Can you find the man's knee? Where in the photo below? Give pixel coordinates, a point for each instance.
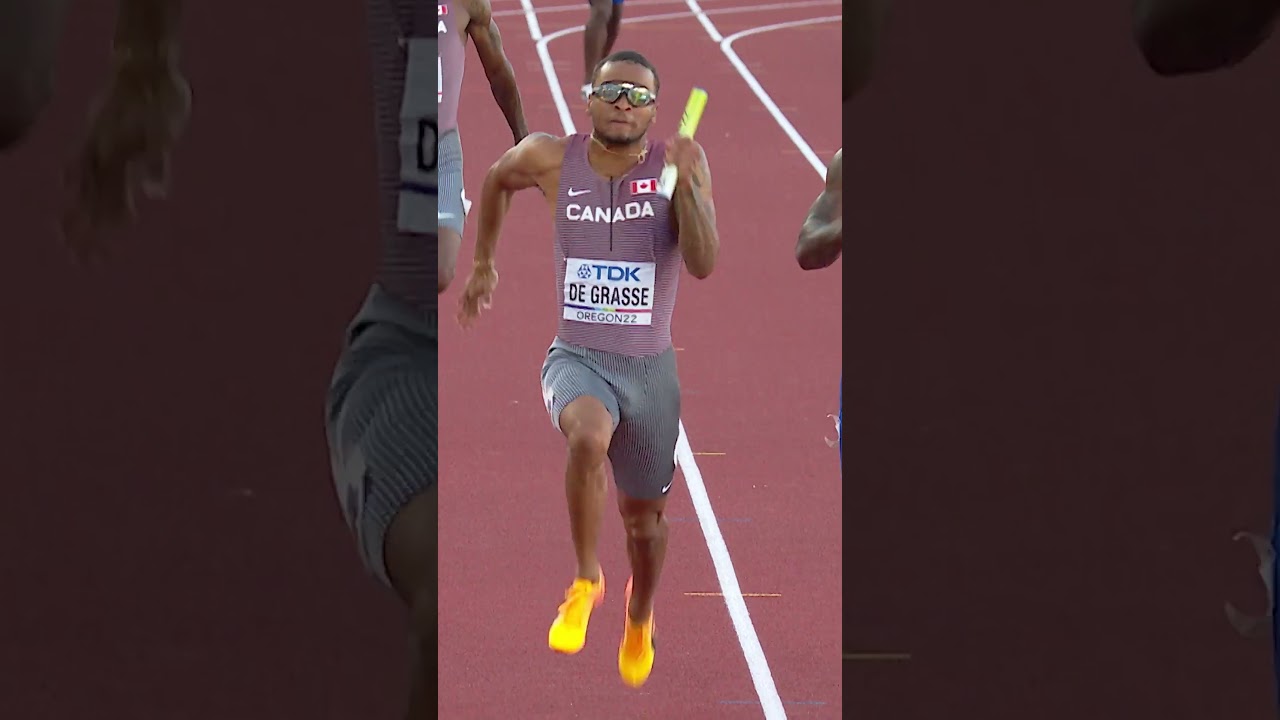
(588, 429)
(643, 524)
(589, 443)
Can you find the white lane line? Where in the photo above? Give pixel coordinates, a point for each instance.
(548, 68)
(752, 650)
(726, 47)
(632, 4)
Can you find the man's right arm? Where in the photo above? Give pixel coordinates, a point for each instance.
(1181, 37)
(519, 168)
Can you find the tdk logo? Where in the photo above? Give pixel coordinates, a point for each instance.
(612, 273)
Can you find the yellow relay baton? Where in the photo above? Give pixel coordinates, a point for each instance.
(688, 126)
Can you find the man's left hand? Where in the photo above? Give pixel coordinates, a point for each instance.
(686, 155)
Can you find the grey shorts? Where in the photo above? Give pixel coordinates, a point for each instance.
(381, 423)
(454, 205)
(642, 395)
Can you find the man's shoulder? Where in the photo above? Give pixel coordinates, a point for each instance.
(546, 144)
(542, 138)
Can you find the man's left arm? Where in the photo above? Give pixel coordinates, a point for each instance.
(695, 210)
(822, 235)
(483, 30)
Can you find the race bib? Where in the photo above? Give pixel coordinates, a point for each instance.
(418, 146)
(608, 292)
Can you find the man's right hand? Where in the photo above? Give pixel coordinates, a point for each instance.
(478, 294)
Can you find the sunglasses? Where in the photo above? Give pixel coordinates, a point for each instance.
(636, 95)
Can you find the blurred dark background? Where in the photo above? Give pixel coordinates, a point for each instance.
(171, 546)
(1063, 312)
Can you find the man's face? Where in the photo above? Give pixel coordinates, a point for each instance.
(620, 122)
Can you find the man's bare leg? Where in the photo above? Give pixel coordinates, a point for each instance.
(588, 429)
(412, 565)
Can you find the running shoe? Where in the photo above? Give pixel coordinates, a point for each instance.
(569, 631)
(635, 654)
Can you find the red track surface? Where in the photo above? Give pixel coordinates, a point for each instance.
(759, 360)
(1063, 411)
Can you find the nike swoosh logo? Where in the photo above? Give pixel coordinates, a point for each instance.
(576, 193)
(667, 487)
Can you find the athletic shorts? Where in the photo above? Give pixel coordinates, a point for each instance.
(642, 395)
(454, 205)
(381, 415)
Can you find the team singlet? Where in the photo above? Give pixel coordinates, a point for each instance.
(407, 129)
(450, 66)
(617, 257)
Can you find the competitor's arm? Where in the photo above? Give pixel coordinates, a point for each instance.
(483, 30)
(821, 236)
(1180, 37)
(695, 212)
(519, 168)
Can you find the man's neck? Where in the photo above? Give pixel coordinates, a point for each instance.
(615, 159)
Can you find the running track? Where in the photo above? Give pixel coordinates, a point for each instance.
(759, 349)
(139, 578)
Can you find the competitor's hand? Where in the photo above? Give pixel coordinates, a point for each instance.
(132, 131)
(477, 295)
(1254, 626)
(686, 155)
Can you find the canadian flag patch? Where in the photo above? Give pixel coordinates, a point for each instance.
(647, 186)
(442, 10)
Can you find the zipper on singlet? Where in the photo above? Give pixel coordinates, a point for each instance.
(610, 214)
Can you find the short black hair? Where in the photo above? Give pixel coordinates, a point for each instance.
(628, 56)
